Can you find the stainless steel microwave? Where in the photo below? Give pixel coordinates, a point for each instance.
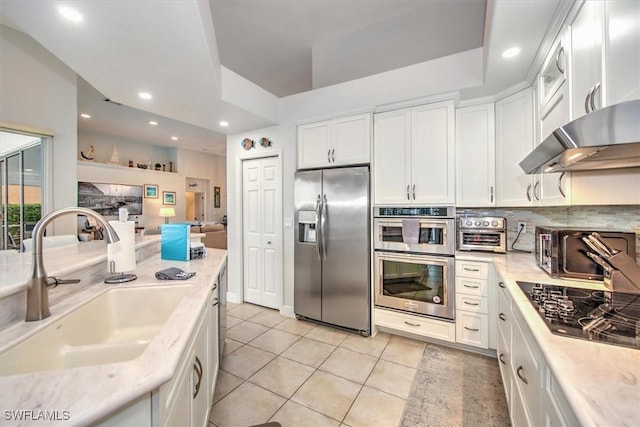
(561, 252)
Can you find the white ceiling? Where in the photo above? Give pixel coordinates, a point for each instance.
(175, 49)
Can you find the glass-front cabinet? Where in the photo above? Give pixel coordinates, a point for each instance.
(553, 73)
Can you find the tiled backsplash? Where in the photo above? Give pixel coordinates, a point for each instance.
(618, 218)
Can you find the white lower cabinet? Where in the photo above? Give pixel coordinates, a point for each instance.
(474, 303)
(533, 396)
(416, 325)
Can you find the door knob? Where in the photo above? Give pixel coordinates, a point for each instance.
(268, 242)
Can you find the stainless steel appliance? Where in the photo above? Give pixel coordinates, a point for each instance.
(332, 247)
(607, 138)
(602, 316)
(488, 234)
(561, 252)
(436, 233)
(415, 277)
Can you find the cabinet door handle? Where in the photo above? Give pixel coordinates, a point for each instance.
(502, 317)
(587, 99)
(471, 287)
(414, 191)
(197, 367)
(215, 302)
(472, 329)
(491, 192)
(529, 192)
(329, 156)
(519, 373)
(564, 196)
(470, 303)
(333, 155)
(535, 190)
(560, 63)
(501, 284)
(501, 359)
(408, 198)
(412, 324)
(475, 270)
(592, 100)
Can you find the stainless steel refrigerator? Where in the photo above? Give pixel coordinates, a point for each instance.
(332, 247)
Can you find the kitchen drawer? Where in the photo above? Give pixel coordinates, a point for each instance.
(471, 286)
(557, 408)
(472, 329)
(527, 370)
(478, 270)
(504, 313)
(396, 321)
(472, 303)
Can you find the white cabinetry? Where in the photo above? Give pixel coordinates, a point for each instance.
(605, 54)
(475, 156)
(395, 321)
(474, 304)
(337, 142)
(503, 348)
(414, 155)
(514, 141)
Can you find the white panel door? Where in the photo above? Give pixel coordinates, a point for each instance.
(351, 140)
(392, 171)
(433, 153)
(262, 231)
(314, 145)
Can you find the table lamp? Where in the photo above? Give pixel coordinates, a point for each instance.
(166, 213)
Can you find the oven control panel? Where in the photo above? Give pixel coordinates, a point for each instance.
(427, 212)
(492, 223)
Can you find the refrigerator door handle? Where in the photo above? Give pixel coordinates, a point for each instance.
(323, 222)
(318, 222)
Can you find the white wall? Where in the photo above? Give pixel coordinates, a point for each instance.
(38, 93)
(194, 164)
(419, 81)
(137, 151)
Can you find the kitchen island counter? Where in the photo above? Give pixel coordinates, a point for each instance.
(601, 382)
(90, 393)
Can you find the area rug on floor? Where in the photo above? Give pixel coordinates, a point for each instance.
(456, 388)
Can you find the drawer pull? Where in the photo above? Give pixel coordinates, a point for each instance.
(471, 287)
(472, 329)
(501, 359)
(412, 324)
(501, 284)
(470, 303)
(471, 269)
(502, 317)
(520, 369)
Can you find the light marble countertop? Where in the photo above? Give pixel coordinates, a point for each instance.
(600, 381)
(61, 261)
(92, 392)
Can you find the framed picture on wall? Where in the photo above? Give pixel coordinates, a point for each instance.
(150, 191)
(168, 197)
(216, 197)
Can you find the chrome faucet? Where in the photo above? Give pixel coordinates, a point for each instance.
(37, 292)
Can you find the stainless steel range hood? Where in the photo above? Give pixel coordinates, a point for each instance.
(608, 138)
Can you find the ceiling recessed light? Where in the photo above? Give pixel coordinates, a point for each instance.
(224, 124)
(175, 138)
(70, 13)
(85, 115)
(511, 52)
(152, 123)
(145, 95)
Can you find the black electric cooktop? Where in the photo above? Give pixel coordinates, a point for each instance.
(602, 316)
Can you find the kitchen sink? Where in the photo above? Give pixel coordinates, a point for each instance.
(114, 326)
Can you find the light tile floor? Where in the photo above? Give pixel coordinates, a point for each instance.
(298, 373)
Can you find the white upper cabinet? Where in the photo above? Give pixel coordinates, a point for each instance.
(338, 142)
(414, 153)
(475, 156)
(605, 54)
(514, 140)
(622, 49)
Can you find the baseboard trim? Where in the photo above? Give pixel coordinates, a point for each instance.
(287, 310)
(233, 297)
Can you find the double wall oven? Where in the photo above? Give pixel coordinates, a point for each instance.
(414, 259)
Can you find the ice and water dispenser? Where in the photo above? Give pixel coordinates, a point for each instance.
(307, 226)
